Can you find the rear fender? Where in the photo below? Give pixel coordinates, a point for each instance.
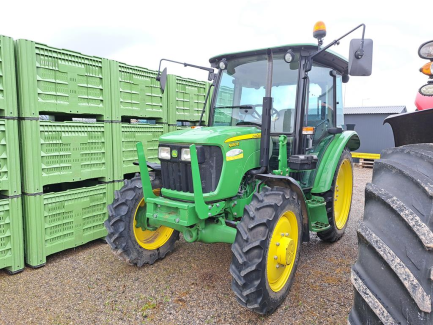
(288, 182)
(328, 164)
(411, 128)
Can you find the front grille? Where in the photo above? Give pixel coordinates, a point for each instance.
(177, 175)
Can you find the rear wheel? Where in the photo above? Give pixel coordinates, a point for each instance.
(339, 199)
(394, 271)
(266, 249)
(135, 245)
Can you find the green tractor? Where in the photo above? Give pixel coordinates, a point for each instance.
(272, 165)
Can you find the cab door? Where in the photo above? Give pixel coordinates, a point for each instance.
(321, 113)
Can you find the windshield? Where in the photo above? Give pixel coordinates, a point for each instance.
(242, 88)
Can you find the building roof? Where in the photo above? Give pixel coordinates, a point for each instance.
(375, 110)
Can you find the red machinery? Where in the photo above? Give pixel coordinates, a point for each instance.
(416, 127)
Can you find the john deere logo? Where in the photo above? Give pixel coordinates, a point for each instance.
(174, 153)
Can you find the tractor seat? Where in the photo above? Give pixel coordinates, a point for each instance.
(284, 122)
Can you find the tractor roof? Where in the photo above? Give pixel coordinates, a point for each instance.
(328, 57)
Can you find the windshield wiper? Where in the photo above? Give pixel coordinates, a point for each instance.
(237, 106)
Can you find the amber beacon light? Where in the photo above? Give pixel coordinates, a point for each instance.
(319, 30)
(427, 69)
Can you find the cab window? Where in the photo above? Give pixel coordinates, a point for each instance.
(321, 102)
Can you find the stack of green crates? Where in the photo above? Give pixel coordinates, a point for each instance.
(69, 124)
(225, 98)
(11, 222)
(186, 98)
(136, 95)
(67, 166)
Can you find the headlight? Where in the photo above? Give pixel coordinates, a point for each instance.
(426, 90)
(164, 153)
(222, 64)
(185, 155)
(426, 51)
(288, 57)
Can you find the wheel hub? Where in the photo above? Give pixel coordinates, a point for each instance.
(282, 251)
(146, 238)
(285, 251)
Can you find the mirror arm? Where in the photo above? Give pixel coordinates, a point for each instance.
(198, 67)
(359, 54)
(205, 101)
(182, 63)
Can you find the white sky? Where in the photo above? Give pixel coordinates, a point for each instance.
(142, 32)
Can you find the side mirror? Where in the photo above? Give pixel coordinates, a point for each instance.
(345, 78)
(163, 80)
(211, 76)
(360, 61)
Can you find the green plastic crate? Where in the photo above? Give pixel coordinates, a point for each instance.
(59, 152)
(136, 93)
(126, 137)
(57, 221)
(10, 178)
(225, 96)
(172, 128)
(223, 116)
(186, 98)
(179, 126)
(11, 235)
(51, 80)
(8, 91)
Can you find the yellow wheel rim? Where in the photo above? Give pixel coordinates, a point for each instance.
(282, 251)
(343, 194)
(151, 239)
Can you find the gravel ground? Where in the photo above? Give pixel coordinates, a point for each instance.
(89, 285)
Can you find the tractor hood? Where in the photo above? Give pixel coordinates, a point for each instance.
(211, 135)
(238, 152)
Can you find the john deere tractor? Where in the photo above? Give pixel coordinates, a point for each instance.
(271, 166)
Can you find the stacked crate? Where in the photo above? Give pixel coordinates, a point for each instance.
(67, 165)
(225, 98)
(185, 100)
(11, 224)
(139, 111)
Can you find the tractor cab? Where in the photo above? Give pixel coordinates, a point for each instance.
(307, 108)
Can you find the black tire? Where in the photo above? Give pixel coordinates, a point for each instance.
(120, 225)
(251, 246)
(333, 234)
(394, 271)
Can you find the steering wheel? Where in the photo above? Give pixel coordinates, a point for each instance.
(256, 115)
(327, 120)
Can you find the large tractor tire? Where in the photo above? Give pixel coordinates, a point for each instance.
(266, 249)
(132, 244)
(394, 271)
(339, 199)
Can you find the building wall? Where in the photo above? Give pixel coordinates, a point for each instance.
(373, 134)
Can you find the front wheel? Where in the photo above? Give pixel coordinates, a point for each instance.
(133, 244)
(266, 249)
(339, 199)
